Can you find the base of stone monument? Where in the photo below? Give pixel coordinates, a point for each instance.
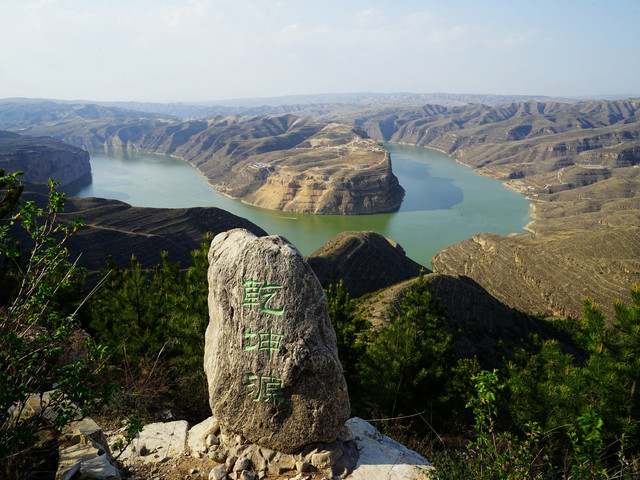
(244, 460)
(360, 452)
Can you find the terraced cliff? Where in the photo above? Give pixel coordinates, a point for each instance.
(282, 163)
(579, 163)
(532, 140)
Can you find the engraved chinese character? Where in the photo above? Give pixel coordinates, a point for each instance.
(251, 289)
(268, 341)
(264, 388)
(258, 294)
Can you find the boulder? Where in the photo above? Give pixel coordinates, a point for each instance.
(202, 436)
(270, 351)
(156, 443)
(382, 458)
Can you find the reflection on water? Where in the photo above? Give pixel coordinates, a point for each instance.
(424, 189)
(445, 202)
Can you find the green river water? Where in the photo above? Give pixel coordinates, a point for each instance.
(445, 202)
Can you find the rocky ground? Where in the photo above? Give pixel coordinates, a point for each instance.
(162, 452)
(183, 468)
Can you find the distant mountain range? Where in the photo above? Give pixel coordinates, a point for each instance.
(303, 105)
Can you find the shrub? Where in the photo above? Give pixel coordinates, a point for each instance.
(348, 326)
(407, 363)
(154, 323)
(41, 349)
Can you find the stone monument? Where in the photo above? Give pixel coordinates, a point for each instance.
(270, 351)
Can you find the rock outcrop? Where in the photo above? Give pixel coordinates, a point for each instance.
(270, 351)
(156, 443)
(364, 261)
(83, 450)
(284, 163)
(84, 453)
(382, 458)
(41, 158)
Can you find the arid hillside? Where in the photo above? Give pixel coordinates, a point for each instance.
(577, 162)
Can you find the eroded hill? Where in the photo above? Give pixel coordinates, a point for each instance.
(577, 162)
(283, 163)
(118, 230)
(363, 261)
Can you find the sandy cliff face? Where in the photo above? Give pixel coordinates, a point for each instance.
(351, 189)
(278, 162)
(295, 165)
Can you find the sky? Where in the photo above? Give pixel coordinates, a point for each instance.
(207, 50)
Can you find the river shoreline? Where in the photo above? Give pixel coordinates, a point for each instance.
(446, 202)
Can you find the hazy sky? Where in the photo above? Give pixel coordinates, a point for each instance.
(199, 50)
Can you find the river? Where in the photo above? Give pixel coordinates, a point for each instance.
(445, 201)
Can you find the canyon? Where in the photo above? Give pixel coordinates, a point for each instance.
(286, 163)
(578, 163)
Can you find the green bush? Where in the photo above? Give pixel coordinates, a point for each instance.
(408, 361)
(549, 414)
(560, 391)
(348, 326)
(546, 413)
(154, 323)
(41, 348)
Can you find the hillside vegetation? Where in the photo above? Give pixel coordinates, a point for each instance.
(543, 413)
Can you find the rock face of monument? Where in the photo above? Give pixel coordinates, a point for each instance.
(270, 352)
